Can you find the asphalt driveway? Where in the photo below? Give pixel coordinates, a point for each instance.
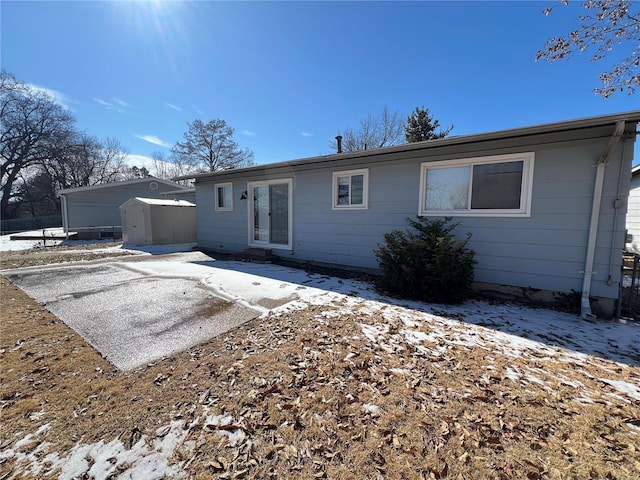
(143, 308)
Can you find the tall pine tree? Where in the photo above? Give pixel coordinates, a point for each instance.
(422, 126)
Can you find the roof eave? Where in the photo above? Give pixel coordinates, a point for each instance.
(86, 188)
(555, 127)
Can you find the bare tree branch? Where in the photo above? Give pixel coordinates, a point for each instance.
(607, 24)
(383, 130)
(34, 129)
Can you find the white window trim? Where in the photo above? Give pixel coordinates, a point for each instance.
(256, 243)
(525, 193)
(365, 189)
(228, 208)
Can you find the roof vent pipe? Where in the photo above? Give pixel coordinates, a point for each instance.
(339, 141)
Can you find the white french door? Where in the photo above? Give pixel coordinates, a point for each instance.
(270, 205)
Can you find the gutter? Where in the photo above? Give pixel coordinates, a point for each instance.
(557, 127)
(585, 305)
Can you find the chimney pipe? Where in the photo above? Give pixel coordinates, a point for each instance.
(339, 141)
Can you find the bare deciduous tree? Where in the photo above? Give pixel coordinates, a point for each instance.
(209, 147)
(169, 167)
(88, 161)
(39, 143)
(136, 172)
(375, 131)
(34, 129)
(607, 24)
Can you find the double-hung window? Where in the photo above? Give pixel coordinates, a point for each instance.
(350, 189)
(224, 197)
(496, 186)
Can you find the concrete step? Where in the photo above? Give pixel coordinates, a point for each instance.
(262, 255)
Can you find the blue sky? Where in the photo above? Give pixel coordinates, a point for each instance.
(287, 76)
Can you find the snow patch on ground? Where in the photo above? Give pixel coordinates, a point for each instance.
(226, 426)
(626, 388)
(374, 410)
(8, 245)
(429, 330)
(147, 459)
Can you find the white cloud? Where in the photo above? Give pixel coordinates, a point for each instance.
(134, 160)
(153, 139)
(102, 102)
(173, 107)
(58, 97)
(200, 112)
(122, 103)
(306, 134)
(248, 133)
(117, 105)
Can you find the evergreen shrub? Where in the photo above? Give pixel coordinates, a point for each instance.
(426, 261)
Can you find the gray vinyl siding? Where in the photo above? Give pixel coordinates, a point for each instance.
(221, 230)
(548, 250)
(544, 251)
(100, 207)
(633, 214)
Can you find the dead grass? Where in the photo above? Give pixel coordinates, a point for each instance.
(60, 254)
(302, 388)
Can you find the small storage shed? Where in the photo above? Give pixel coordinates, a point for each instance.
(151, 221)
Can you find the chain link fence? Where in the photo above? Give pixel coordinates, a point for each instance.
(30, 223)
(630, 289)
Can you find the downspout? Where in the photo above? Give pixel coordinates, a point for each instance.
(585, 306)
(65, 215)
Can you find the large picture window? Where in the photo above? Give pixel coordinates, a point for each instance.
(350, 189)
(224, 197)
(487, 186)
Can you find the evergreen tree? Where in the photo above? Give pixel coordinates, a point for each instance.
(422, 126)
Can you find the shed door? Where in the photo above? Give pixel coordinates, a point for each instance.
(135, 224)
(270, 214)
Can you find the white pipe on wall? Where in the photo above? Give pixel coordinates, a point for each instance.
(585, 305)
(65, 215)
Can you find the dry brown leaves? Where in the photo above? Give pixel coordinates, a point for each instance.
(317, 402)
(306, 395)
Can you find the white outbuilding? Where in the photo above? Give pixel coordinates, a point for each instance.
(151, 221)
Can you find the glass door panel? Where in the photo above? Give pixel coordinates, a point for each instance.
(261, 213)
(279, 213)
(269, 214)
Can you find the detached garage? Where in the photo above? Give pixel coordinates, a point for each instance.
(92, 212)
(150, 221)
